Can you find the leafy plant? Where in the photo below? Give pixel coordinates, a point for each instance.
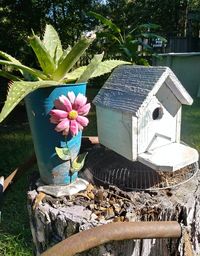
(57, 67)
(133, 45)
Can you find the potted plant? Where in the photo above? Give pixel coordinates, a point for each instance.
(55, 101)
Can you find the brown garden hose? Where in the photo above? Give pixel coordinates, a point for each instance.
(114, 232)
(19, 171)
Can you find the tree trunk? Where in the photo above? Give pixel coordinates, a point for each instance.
(54, 219)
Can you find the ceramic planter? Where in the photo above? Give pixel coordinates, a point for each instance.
(52, 169)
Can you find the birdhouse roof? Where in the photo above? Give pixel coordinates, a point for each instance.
(130, 88)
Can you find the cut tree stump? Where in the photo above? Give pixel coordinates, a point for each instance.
(54, 219)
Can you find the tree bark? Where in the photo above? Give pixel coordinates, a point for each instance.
(54, 219)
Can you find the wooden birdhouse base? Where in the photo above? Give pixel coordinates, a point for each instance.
(170, 157)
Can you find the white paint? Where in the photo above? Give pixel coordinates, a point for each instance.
(156, 87)
(178, 90)
(156, 133)
(178, 125)
(174, 85)
(169, 157)
(135, 137)
(117, 131)
(172, 105)
(64, 190)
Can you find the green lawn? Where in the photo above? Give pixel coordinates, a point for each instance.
(15, 237)
(191, 124)
(16, 146)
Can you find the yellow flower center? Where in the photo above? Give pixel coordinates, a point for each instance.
(73, 114)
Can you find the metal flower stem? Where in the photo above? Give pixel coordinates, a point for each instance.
(70, 159)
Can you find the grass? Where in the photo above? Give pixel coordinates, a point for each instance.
(191, 124)
(16, 146)
(15, 236)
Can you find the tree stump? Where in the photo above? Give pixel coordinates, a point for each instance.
(54, 219)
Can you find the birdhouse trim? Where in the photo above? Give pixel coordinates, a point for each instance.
(130, 88)
(139, 116)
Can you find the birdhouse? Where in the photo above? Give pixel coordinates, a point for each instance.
(139, 117)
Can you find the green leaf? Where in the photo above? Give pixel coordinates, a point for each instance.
(107, 66)
(74, 75)
(63, 153)
(108, 36)
(45, 60)
(12, 59)
(100, 69)
(153, 36)
(52, 43)
(32, 71)
(9, 76)
(18, 90)
(134, 42)
(72, 57)
(91, 68)
(105, 21)
(143, 62)
(127, 52)
(9, 57)
(78, 162)
(65, 52)
(148, 26)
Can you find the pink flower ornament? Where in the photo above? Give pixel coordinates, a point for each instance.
(69, 113)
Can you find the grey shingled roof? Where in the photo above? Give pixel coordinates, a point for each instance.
(128, 87)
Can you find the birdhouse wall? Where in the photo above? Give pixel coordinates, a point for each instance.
(118, 131)
(159, 122)
(172, 106)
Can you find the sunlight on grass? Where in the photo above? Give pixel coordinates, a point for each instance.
(11, 245)
(15, 235)
(191, 124)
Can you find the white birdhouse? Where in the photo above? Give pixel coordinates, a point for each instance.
(139, 116)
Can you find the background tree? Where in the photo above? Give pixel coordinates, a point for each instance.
(69, 17)
(134, 45)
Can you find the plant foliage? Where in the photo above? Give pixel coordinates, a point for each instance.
(134, 45)
(57, 66)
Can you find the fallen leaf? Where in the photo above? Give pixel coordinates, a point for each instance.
(38, 199)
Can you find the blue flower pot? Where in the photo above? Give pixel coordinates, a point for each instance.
(52, 169)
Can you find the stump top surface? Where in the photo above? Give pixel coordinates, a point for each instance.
(106, 167)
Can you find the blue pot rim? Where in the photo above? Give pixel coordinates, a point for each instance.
(73, 84)
(52, 87)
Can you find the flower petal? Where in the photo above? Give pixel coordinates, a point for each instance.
(63, 125)
(83, 121)
(84, 110)
(71, 97)
(80, 127)
(80, 101)
(54, 120)
(59, 105)
(58, 114)
(63, 103)
(66, 131)
(73, 127)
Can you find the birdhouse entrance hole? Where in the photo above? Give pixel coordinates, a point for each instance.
(157, 113)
